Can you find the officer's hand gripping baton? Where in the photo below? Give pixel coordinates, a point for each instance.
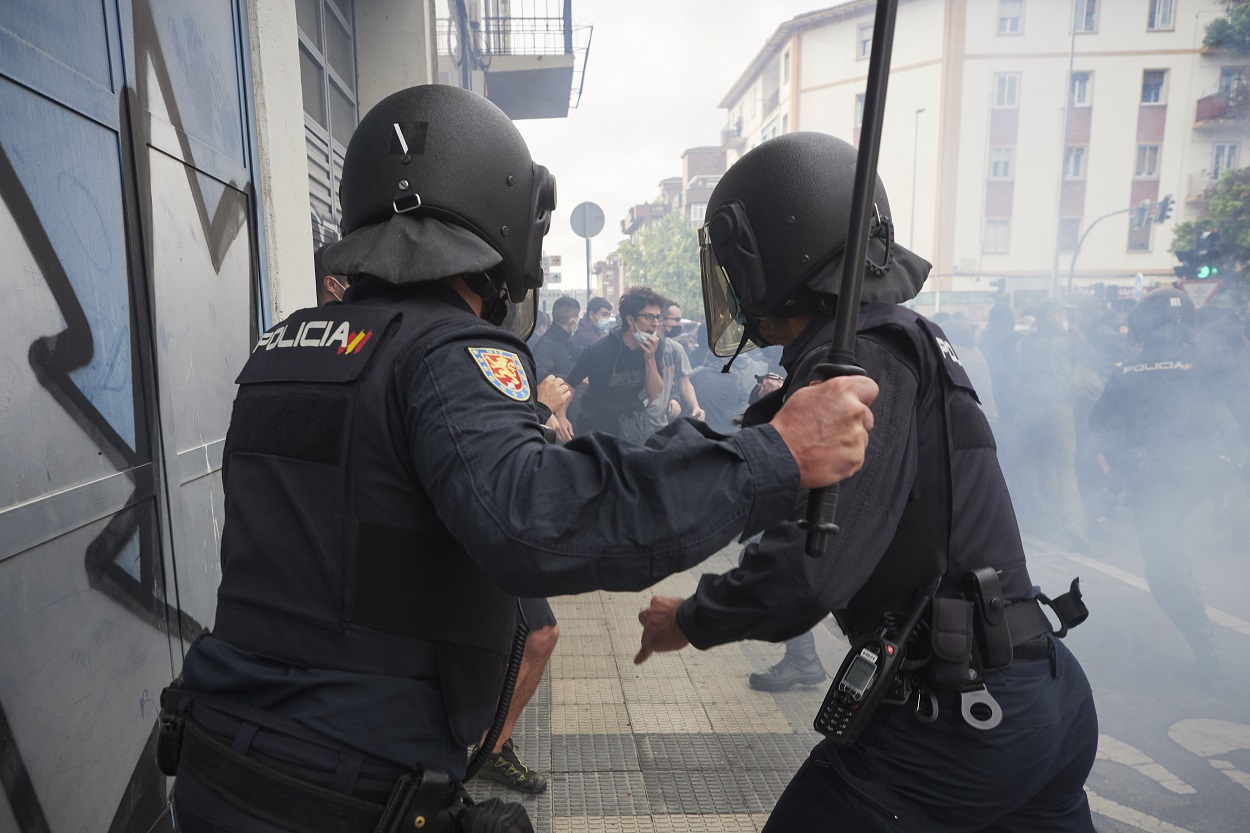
(822, 504)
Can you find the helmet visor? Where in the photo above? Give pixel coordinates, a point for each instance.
(522, 316)
(725, 321)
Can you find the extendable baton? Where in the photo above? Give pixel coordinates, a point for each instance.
(822, 504)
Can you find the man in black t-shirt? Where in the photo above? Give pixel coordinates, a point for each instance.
(621, 371)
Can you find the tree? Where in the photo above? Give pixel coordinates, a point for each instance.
(1231, 32)
(665, 257)
(1229, 214)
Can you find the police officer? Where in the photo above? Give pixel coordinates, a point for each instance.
(1157, 407)
(389, 489)
(993, 725)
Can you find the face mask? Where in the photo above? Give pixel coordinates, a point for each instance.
(603, 324)
(641, 337)
(340, 285)
(496, 310)
(674, 331)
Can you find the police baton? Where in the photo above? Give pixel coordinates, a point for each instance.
(822, 504)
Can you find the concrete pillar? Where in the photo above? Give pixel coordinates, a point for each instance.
(395, 48)
(283, 156)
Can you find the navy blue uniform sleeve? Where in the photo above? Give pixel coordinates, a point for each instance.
(778, 591)
(598, 512)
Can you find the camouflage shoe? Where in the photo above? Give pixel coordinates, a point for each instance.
(506, 768)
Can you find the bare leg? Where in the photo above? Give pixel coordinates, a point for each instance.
(538, 648)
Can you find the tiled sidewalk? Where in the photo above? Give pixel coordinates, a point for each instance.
(681, 743)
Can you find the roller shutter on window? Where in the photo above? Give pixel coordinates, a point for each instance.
(328, 74)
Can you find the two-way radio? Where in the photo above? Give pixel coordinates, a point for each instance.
(866, 676)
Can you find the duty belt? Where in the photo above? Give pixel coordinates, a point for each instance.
(270, 794)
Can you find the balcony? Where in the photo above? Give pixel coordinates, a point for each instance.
(530, 64)
(1222, 109)
(731, 136)
(1201, 188)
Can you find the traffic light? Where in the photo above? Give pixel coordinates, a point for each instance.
(1164, 209)
(1188, 268)
(1207, 256)
(1141, 216)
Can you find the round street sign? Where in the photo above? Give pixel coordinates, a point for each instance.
(587, 220)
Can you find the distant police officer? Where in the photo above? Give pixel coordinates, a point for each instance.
(992, 724)
(1157, 411)
(389, 487)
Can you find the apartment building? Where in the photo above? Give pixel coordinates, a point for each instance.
(1013, 128)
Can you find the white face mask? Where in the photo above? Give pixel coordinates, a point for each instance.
(342, 288)
(641, 337)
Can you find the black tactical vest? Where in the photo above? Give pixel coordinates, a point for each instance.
(332, 554)
(958, 515)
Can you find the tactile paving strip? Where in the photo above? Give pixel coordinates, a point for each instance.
(602, 719)
(584, 691)
(662, 753)
(746, 717)
(598, 794)
(578, 666)
(781, 752)
(668, 689)
(594, 753)
(707, 823)
(702, 791)
(799, 705)
(593, 625)
(587, 606)
(589, 644)
(657, 665)
(761, 789)
(725, 659)
(604, 824)
(668, 718)
(716, 688)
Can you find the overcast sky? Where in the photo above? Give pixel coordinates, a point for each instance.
(656, 73)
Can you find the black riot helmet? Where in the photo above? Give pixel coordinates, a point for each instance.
(775, 232)
(449, 154)
(1158, 309)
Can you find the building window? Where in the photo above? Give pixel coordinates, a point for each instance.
(1147, 162)
(1002, 164)
(1007, 89)
(1074, 162)
(1080, 92)
(863, 44)
(1224, 160)
(859, 110)
(697, 212)
(1231, 79)
(785, 67)
(1152, 83)
(997, 237)
(1085, 16)
(1010, 17)
(1162, 15)
(785, 123)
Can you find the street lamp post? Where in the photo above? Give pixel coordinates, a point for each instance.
(915, 155)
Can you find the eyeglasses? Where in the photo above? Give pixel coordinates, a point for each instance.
(648, 316)
(674, 318)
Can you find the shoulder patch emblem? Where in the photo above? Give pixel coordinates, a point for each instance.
(504, 370)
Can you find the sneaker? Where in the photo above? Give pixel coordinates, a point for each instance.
(787, 674)
(506, 768)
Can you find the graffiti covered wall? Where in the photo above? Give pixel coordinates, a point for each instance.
(128, 223)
